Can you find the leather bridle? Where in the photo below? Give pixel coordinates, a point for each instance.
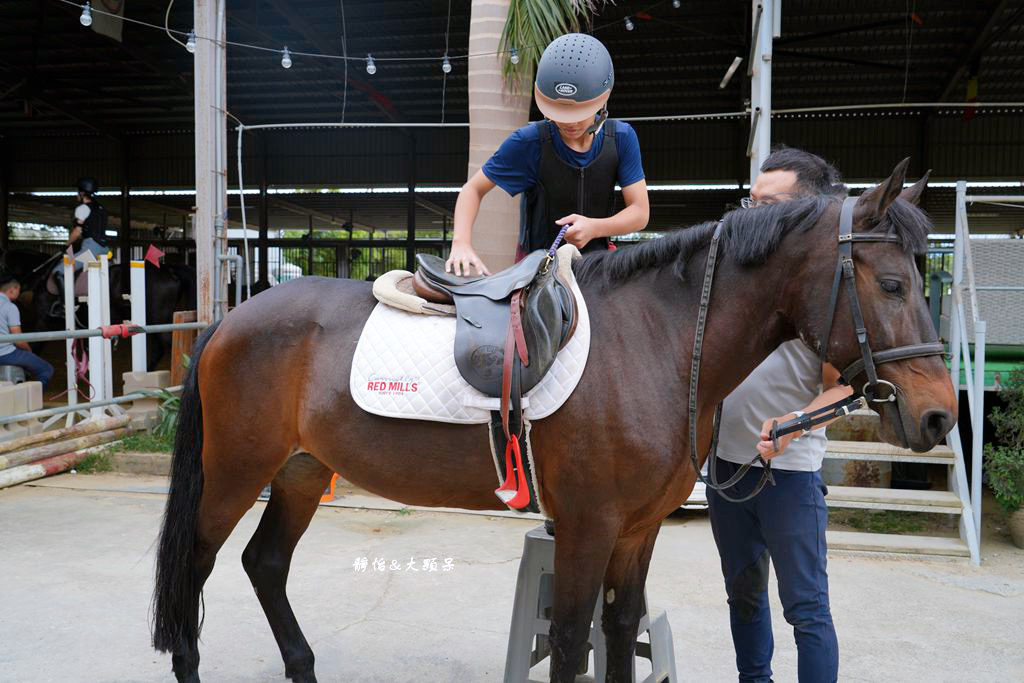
(866, 363)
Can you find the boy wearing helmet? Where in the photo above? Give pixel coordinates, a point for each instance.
(566, 166)
(88, 226)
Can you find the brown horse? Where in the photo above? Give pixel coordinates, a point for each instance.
(267, 401)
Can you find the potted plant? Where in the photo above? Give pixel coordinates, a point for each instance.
(1005, 460)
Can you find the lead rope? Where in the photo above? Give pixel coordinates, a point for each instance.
(698, 342)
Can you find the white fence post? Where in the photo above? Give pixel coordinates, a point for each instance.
(108, 359)
(97, 374)
(138, 300)
(69, 325)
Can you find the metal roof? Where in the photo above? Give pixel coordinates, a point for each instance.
(67, 94)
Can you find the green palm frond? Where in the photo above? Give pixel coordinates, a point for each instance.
(530, 26)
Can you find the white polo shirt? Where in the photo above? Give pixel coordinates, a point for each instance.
(787, 380)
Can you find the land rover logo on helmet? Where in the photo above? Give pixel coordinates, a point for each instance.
(567, 89)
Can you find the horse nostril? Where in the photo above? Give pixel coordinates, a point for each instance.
(935, 424)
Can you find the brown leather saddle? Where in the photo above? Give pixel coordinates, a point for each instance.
(509, 328)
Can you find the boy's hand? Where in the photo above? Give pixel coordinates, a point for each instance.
(462, 258)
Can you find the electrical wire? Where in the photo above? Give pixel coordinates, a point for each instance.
(444, 74)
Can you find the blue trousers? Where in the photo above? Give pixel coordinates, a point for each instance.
(36, 366)
(786, 524)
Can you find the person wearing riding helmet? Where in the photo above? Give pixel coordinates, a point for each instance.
(566, 166)
(88, 225)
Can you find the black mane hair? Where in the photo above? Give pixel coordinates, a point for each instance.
(749, 237)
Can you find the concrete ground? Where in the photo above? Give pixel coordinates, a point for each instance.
(76, 556)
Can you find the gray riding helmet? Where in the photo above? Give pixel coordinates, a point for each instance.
(574, 78)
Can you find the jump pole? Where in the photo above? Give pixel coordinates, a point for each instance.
(138, 301)
(69, 325)
(108, 360)
(97, 375)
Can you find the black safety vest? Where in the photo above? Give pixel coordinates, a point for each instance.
(563, 188)
(95, 226)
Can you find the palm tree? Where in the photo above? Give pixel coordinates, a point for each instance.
(500, 94)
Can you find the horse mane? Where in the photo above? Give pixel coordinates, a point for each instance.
(749, 237)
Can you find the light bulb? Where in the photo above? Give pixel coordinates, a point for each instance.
(676, 3)
(629, 24)
(514, 57)
(190, 42)
(446, 66)
(86, 17)
(371, 68)
(286, 58)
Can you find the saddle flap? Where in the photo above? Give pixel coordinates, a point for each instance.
(483, 326)
(494, 287)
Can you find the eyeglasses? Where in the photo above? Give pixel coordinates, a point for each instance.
(750, 202)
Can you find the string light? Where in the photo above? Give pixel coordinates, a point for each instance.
(286, 58)
(371, 68)
(514, 56)
(676, 3)
(629, 24)
(190, 44)
(86, 17)
(446, 66)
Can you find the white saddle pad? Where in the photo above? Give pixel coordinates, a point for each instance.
(404, 366)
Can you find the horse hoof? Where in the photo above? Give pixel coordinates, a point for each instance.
(190, 677)
(549, 526)
(302, 677)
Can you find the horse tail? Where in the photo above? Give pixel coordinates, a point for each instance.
(175, 611)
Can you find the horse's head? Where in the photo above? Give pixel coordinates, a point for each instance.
(914, 397)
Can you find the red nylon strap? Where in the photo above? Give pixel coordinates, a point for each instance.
(111, 331)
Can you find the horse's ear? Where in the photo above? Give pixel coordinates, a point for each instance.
(913, 193)
(873, 204)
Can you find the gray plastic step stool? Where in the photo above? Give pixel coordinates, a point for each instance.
(532, 609)
(12, 373)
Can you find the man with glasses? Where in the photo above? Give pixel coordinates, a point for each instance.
(785, 523)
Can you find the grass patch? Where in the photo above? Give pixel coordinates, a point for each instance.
(879, 521)
(147, 442)
(403, 512)
(94, 463)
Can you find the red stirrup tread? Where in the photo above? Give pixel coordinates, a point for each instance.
(515, 492)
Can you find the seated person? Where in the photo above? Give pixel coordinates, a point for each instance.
(19, 354)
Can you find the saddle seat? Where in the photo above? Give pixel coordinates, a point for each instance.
(495, 287)
(527, 301)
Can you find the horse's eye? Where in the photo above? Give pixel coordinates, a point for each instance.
(891, 286)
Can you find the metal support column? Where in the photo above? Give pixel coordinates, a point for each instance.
(124, 232)
(264, 239)
(765, 25)
(410, 235)
(210, 147)
(5, 192)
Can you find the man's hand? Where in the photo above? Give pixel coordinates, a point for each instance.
(582, 231)
(765, 446)
(462, 258)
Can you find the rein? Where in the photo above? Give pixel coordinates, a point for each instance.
(866, 363)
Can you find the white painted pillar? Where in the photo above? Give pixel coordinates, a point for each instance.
(97, 374)
(210, 144)
(108, 360)
(69, 325)
(138, 301)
